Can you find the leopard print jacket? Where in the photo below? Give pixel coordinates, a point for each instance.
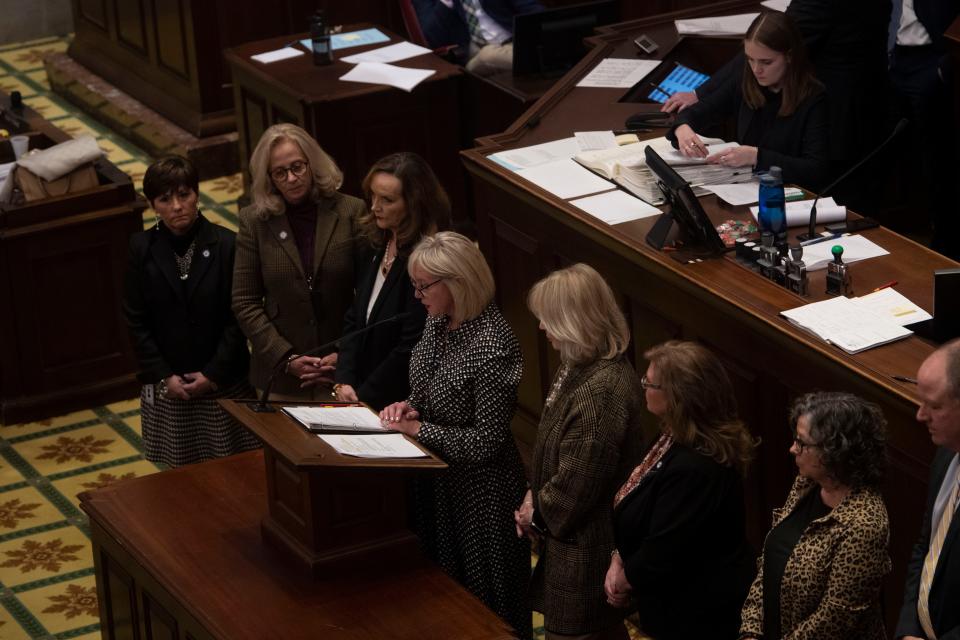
(831, 584)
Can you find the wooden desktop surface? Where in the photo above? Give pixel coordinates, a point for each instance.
(526, 232)
(179, 554)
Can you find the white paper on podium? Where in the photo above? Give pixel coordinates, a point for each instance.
(393, 445)
(388, 74)
(279, 54)
(391, 53)
(716, 25)
(776, 5)
(798, 213)
(855, 248)
(615, 207)
(618, 73)
(565, 179)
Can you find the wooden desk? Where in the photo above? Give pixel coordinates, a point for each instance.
(63, 338)
(178, 555)
(355, 123)
(525, 233)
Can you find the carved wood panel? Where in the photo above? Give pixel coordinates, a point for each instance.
(173, 48)
(131, 30)
(94, 12)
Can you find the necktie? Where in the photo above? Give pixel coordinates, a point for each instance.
(933, 555)
(470, 10)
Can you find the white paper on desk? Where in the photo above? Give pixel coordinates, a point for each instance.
(736, 25)
(279, 54)
(855, 248)
(776, 5)
(388, 74)
(390, 53)
(736, 194)
(798, 212)
(618, 73)
(526, 157)
(894, 306)
(565, 179)
(393, 445)
(842, 322)
(591, 140)
(615, 207)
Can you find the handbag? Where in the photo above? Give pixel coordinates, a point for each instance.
(34, 187)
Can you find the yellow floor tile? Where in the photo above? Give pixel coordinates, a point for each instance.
(28, 428)
(12, 83)
(40, 77)
(45, 107)
(31, 56)
(64, 606)
(10, 629)
(24, 509)
(115, 153)
(44, 555)
(75, 449)
(135, 170)
(224, 189)
(216, 218)
(75, 127)
(8, 474)
(124, 405)
(134, 423)
(74, 485)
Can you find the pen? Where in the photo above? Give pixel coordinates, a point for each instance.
(833, 236)
(886, 285)
(904, 379)
(666, 92)
(620, 132)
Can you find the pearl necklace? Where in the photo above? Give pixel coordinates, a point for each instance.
(388, 260)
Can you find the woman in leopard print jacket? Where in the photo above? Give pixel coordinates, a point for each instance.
(825, 557)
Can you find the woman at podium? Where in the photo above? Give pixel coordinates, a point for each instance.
(464, 374)
(588, 442)
(779, 108)
(682, 554)
(296, 263)
(407, 203)
(188, 345)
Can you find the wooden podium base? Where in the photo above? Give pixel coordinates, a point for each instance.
(214, 156)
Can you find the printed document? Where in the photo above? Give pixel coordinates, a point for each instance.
(615, 207)
(618, 73)
(392, 445)
(390, 53)
(388, 74)
(347, 418)
(716, 26)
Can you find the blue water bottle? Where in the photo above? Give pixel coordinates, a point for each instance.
(773, 215)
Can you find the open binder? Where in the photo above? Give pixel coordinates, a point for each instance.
(339, 418)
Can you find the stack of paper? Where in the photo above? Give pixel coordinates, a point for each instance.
(627, 166)
(716, 26)
(393, 445)
(855, 248)
(336, 419)
(853, 324)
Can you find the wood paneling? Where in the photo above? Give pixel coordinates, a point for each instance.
(175, 51)
(131, 30)
(94, 12)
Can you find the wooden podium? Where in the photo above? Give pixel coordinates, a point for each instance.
(327, 509)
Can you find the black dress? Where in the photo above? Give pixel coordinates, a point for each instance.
(376, 363)
(464, 384)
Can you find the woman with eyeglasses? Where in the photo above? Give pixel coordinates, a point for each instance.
(464, 374)
(588, 441)
(177, 305)
(296, 263)
(682, 557)
(407, 203)
(825, 558)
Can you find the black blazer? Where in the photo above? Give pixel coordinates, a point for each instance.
(681, 536)
(798, 144)
(376, 364)
(182, 326)
(945, 590)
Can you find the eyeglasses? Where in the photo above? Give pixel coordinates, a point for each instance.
(420, 289)
(801, 445)
(646, 384)
(298, 168)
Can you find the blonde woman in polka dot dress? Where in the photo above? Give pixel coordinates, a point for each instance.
(464, 374)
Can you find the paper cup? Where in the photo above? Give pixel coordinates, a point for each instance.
(20, 144)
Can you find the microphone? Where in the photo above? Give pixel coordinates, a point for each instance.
(811, 229)
(262, 407)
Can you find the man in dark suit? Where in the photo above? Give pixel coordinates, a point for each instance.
(930, 604)
(482, 30)
(922, 77)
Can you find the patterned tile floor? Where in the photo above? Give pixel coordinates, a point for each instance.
(47, 585)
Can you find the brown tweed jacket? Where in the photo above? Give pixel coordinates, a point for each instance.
(831, 584)
(588, 442)
(274, 305)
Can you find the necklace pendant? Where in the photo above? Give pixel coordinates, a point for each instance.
(185, 276)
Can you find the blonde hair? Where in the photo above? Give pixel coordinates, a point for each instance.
(577, 307)
(265, 198)
(701, 406)
(464, 270)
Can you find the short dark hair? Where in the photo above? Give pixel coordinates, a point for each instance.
(169, 174)
(775, 30)
(427, 204)
(849, 432)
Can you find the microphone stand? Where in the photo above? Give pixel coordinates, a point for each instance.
(812, 228)
(262, 407)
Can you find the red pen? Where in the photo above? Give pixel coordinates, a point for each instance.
(892, 283)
